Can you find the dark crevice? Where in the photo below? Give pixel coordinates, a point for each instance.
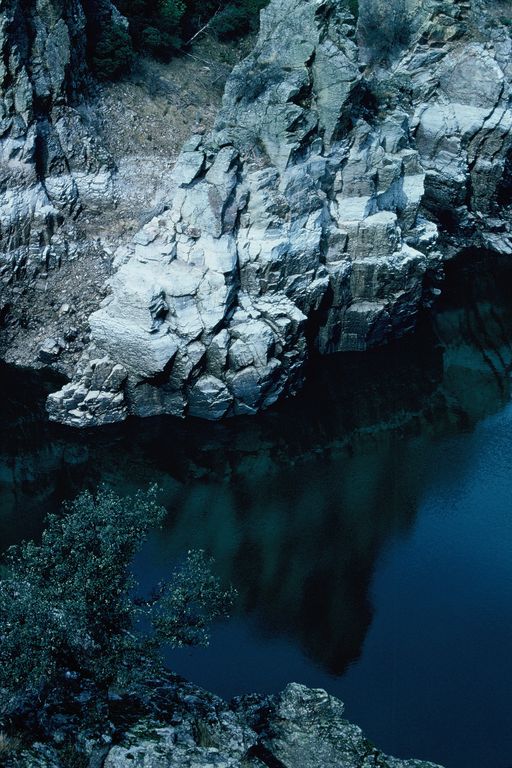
(4, 314)
(317, 320)
(41, 151)
(162, 377)
(504, 190)
(262, 753)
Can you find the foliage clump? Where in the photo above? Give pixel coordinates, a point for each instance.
(154, 25)
(72, 627)
(160, 28)
(384, 27)
(237, 18)
(353, 6)
(9, 747)
(113, 53)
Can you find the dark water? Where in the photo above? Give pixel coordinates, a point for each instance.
(367, 525)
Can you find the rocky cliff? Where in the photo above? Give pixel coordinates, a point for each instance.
(314, 218)
(51, 163)
(299, 728)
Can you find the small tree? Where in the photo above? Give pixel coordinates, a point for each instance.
(71, 627)
(171, 12)
(113, 53)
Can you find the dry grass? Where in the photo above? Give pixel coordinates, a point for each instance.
(9, 746)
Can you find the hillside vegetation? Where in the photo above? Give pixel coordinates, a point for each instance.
(161, 28)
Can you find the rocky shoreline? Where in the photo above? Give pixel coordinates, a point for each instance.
(298, 728)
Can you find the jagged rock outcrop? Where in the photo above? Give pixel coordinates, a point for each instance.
(460, 82)
(299, 728)
(315, 216)
(296, 222)
(51, 163)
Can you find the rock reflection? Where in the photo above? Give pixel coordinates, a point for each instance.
(296, 505)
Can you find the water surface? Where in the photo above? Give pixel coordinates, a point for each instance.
(366, 525)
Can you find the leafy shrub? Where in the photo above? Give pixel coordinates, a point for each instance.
(237, 19)
(384, 27)
(69, 621)
(171, 12)
(157, 43)
(151, 40)
(113, 52)
(353, 6)
(155, 25)
(71, 757)
(159, 27)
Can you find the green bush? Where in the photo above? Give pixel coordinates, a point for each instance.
(171, 12)
(113, 52)
(159, 27)
(353, 6)
(151, 40)
(237, 19)
(9, 747)
(69, 619)
(384, 27)
(155, 25)
(231, 23)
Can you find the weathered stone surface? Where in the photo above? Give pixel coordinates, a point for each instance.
(306, 728)
(316, 214)
(51, 161)
(292, 209)
(50, 350)
(95, 397)
(298, 728)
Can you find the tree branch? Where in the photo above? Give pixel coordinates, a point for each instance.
(204, 27)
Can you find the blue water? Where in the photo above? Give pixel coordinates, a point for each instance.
(366, 524)
(429, 670)
(437, 660)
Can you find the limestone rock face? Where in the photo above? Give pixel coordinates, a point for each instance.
(50, 160)
(462, 123)
(314, 217)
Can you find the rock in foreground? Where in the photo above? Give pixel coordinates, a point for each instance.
(299, 728)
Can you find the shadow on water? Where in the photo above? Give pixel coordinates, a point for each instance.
(298, 504)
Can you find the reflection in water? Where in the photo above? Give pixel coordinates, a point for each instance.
(298, 504)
